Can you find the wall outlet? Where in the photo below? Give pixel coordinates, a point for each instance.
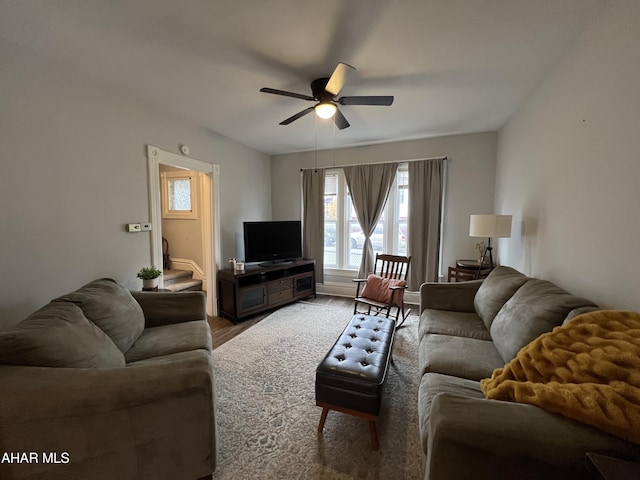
(146, 227)
(133, 227)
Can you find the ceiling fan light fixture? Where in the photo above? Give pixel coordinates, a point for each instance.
(325, 91)
(325, 110)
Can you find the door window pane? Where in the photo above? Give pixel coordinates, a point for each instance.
(180, 195)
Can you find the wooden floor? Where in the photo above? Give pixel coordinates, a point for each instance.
(223, 330)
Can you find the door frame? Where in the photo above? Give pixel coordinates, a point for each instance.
(210, 215)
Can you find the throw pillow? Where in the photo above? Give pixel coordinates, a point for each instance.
(378, 288)
(112, 308)
(58, 335)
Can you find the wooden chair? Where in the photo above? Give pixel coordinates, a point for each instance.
(466, 270)
(383, 290)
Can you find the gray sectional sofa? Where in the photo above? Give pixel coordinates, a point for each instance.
(466, 331)
(102, 383)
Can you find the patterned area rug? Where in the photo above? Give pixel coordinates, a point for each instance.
(266, 412)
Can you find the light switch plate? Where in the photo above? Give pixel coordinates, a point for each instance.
(133, 227)
(146, 227)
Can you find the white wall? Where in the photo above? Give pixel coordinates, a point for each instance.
(74, 171)
(470, 185)
(569, 167)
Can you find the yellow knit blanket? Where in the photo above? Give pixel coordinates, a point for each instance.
(588, 370)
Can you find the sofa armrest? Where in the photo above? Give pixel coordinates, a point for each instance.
(513, 440)
(457, 297)
(164, 308)
(147, 421)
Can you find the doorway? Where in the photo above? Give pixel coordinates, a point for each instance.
(210, 214)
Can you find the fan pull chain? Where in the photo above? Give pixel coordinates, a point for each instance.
(334, 143)
(316, 146)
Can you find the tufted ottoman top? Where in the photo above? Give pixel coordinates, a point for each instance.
(359, 359)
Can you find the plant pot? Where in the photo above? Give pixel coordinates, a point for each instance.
(150, 285)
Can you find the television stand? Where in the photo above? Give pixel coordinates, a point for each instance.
(273, 263)
(264, 287)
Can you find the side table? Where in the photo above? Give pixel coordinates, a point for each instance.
(466, 270)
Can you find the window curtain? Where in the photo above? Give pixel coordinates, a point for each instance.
(313, 218)
(369, 186)
(426, 183)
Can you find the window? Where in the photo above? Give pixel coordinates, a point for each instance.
(178, 195)
(343, 237)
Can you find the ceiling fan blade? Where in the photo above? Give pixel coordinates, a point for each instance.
(339, 78)
(366, 100)
(286, 94)
(341, 122)
(295, 117)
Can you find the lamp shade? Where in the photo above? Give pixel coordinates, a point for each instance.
(325, 110)
(491, 226)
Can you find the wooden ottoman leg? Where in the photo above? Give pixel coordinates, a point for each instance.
(323, 418)
(374, 434)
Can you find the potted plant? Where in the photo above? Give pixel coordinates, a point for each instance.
(149, 276)
(480, 248)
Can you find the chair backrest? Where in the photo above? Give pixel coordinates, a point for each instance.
(392, 266)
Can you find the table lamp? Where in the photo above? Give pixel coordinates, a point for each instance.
(489, 226)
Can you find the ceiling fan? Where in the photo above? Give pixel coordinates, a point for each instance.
(325, 91)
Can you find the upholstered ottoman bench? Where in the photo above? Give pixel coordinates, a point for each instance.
(351, 376)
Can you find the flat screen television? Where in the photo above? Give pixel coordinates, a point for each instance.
(272, 242)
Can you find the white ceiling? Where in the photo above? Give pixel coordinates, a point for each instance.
(454, 66)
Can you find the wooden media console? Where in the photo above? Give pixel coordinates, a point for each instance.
(259, 288)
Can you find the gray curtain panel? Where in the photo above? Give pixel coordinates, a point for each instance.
(369, 186)
(426, 179)
(313, 218)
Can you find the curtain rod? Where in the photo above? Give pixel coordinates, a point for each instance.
(378, 163)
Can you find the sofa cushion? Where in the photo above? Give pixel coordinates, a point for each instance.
(459, 324)
(495, 290)
(536, 308)
(170, 359)
(58, 335)
(458, 356)
(433, 384)
(168, 339)
(112, 308)
(578, 311)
